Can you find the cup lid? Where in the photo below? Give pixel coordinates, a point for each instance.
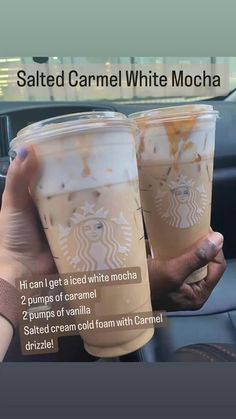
(174, 112)
(76, 122)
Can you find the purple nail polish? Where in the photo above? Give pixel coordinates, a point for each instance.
(22, 153)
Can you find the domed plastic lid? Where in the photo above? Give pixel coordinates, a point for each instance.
(77, 122)
(174, 113)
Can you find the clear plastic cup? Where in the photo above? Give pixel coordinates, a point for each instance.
(88, 199)
(175, 151)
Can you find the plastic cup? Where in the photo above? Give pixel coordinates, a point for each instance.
(88, 199)
(175, 151)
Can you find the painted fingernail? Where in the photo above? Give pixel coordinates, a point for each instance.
(22, 153)
(209, 248)
(217, 239)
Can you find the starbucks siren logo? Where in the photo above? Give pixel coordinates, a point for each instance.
(180, 203)
(94, 241)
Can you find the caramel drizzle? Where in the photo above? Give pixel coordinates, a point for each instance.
(178, 131)
(86, 169)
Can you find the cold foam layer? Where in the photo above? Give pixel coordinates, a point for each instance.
(176, 134)
(86, 161)
(182, 141)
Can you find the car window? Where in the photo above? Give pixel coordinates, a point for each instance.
(8, 67)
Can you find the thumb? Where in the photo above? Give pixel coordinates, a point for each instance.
(166, 275)
(21, 173)
(199, 255)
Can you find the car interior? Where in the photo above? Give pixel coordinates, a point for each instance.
(215, 322)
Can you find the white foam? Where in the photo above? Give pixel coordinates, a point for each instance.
(202, 139)
(85, 161)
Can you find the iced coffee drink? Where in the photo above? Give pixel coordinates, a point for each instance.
(175, 150)
(88, 200)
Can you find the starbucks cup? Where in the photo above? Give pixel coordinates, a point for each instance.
(88, 199)
(175, 151)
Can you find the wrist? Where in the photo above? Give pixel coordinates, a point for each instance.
(6, 329)
(11, 270)
(10, 307)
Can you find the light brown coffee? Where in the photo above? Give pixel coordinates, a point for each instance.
(88, 232)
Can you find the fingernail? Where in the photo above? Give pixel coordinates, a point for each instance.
(216, 238)
(22, 153)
